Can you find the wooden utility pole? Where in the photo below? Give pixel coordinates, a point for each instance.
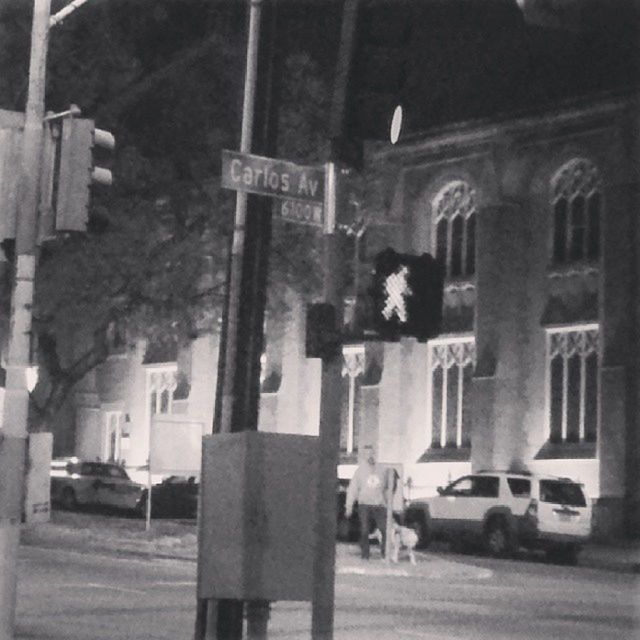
(241, 344)
(13, 434)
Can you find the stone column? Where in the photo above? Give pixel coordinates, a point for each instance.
(507, 391)
(617, 413)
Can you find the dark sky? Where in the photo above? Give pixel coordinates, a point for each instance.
(465, 59)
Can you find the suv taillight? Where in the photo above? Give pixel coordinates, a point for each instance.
(532, 509)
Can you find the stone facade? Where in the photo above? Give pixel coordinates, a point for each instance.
(549, 305)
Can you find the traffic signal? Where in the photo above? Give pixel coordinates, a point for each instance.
(323, 336)
(407, 296)
(76, 171)
(11, 131)
(371, 74)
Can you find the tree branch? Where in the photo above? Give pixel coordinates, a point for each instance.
(136, 90)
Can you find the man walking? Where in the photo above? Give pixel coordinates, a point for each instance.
(368, 488)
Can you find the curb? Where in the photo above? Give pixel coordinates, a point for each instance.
(425, 568)
(347, 564)
(618, 566)
(111, 551)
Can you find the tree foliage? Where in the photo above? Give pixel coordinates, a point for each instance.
(166, 78)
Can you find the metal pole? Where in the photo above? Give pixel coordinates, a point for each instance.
(222, 619)
(13, 434)
(66, 11)
(324, 559)
(389, 477)
(322, 614)
(351, 417)
(238, 242)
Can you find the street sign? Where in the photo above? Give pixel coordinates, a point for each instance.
(301, 211)
(272, 177)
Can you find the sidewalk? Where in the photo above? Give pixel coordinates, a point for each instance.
(178, 540)
(172, 541)
(623, 556)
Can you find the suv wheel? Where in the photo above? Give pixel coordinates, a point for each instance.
(68, 499)
(496, 538)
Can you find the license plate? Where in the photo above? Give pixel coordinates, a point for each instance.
(565, 517)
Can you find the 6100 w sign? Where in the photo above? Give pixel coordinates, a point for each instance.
(301, 211)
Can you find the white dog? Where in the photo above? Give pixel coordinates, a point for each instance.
(403, 538)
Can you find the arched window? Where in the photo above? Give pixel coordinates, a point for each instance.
(454, 218)
(161, 383)
(577, 203)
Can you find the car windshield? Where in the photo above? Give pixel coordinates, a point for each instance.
(117, 472)
(562, 492)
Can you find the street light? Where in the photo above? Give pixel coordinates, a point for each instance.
(396, 125)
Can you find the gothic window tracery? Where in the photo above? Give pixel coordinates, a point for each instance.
(161, 383)
(577, 202)
(452, 364)
(572, 360)
(454, 218)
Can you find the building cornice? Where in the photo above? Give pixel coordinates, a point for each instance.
(468, 136)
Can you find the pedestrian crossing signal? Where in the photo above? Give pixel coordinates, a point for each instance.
(407, 296)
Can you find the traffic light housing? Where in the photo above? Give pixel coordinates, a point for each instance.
(323, 335)
(76, 171)
(11, 132)
(406, 295)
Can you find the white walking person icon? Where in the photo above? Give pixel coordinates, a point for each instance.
(397, 290)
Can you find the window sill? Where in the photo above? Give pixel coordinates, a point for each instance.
(567, 451)
(348, 458)
(460, 282)
(579, 267)
(446, 454)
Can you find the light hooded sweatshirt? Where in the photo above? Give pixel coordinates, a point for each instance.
(368, 486)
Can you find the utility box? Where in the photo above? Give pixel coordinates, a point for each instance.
(37, 499)
(258, 505)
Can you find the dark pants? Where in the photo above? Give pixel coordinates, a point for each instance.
(372, 516)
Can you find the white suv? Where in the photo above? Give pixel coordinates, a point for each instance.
(507, 510)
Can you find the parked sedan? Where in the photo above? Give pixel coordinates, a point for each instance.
(177, 497)
(77, 483)
(174, 497)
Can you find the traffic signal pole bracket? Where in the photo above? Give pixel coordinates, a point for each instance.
(322, 613)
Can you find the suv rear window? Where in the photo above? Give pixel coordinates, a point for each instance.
(520, 487)
(485, 486)
(561, 492)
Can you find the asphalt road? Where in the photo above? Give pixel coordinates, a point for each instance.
(79, 596)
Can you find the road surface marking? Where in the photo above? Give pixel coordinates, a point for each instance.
(424, 635)
(373, 571)
(95, 585)
(97, 553)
